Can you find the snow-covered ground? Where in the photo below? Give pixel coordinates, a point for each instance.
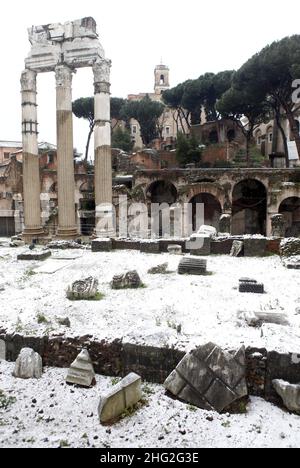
(205, 307)
(48, 413)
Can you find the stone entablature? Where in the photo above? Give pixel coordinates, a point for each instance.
(62, 48)
(74, 44)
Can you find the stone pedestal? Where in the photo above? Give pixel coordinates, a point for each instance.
(31, 172)
(103, 163)
(278, 225)
(67, 228)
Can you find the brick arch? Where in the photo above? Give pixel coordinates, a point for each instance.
(169, 186)
(290, 193)
(212, 189)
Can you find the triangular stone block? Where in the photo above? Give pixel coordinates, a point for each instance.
(82, 371)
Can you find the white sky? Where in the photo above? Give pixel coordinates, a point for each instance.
(192, 37)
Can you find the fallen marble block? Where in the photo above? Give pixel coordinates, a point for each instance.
(290, 247)
(175, 249)
(257, 319)
(252, 288)
(83, 290)
(192, 266)
(29, 365)
(289, 393)
(248, 280)
(122, 396)
(237, 249)
(209, 231)
(65, 244)
(159, 270)
(210, 378)
(81, 371)
(34, 255)
(130, 280)
(293, 265)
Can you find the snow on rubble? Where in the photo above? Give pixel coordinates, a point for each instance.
(49, 413)
(172, 310)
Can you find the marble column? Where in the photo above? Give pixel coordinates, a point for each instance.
(31, 172)
(103, 161)
(67, 228)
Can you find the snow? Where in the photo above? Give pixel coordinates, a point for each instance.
(49, 413)
(205, 307)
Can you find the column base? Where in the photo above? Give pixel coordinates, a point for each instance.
(29, 234)
(67, 233)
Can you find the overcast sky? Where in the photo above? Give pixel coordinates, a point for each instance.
(191, 36)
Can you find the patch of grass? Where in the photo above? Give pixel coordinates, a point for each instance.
(64, 444)
(192, 409)
(6, 401)
(148, 390)
(226, 424)
(98, 297)
(42, 319)
(28, 274)
(19, 326)
(115, 381)
(133, 409)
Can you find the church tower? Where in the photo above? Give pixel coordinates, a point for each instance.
(162, 81)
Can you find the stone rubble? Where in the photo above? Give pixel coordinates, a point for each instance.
(121, 397)
(129, 280)
(29, 365)
(159, 270)
(81, 371)
(175, 249)
(289, 393)
(210, 378)
(192, 266)
(83, 290)
(237, 249)
(257, 319)
(209, 231)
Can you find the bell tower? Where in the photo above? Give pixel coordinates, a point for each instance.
(162, 81)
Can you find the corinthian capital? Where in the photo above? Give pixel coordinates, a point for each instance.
(28, 80)
(101, 71)
(63, 76)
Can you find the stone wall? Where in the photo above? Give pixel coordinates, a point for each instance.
(220, 246)
(153, 364)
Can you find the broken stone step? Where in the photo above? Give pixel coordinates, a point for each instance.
(192, 266)
(254, 288)
(34, 255)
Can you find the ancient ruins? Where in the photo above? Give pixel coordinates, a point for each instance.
(62, 48)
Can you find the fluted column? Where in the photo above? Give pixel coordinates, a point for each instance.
(31, 172)
(67, 228)
(102, 138)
